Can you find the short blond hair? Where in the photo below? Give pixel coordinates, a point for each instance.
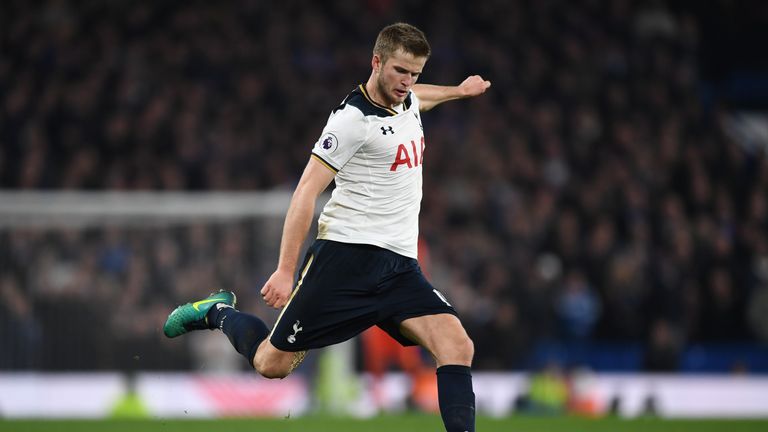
(401, 36)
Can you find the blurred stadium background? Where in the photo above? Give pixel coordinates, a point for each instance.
(599, 219)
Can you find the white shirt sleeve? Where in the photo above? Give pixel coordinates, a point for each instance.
(342, 136)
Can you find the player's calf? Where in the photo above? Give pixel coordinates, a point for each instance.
(445, 338)
(456, 398)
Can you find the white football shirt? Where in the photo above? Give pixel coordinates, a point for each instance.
(376, 153)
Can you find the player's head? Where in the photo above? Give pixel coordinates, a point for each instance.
(399, 55)
(401, 36)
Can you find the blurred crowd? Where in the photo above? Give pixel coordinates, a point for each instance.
(589, 197)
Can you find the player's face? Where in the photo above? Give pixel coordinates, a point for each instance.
(397, 75)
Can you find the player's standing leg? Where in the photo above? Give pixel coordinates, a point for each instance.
(445, 338)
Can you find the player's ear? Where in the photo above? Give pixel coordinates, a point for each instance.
(376, 63)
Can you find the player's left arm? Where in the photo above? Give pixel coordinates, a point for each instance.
(432, 95)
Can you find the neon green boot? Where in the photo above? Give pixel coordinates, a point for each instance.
(192, 316)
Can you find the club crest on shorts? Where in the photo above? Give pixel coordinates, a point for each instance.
(296, 330)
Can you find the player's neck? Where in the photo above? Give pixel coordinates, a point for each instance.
(373, 93)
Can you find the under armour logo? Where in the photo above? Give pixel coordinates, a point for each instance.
(388, 129)
(296, 330)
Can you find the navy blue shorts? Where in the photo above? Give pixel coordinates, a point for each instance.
(343, 289)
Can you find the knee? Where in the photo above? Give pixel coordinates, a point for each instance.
(272, 367)
(271, 370)
(460, 350)
(465, 349)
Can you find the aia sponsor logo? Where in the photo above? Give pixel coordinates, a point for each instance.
(408, 155)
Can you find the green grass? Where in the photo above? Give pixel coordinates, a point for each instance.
(415, 423)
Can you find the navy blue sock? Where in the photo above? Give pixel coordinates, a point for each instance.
(457, 401)
(244, 331)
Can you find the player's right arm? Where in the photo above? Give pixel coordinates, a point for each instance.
(313, 182)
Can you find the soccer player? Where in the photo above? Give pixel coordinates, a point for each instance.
(362, 269)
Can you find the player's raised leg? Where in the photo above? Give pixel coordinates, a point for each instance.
(246, 332)
(445, 338)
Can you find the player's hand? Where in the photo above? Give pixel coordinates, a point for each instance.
(277, 290)
(474, 85)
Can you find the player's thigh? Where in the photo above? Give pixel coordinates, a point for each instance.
(442, 335)
(334, 300)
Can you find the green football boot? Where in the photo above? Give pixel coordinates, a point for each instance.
(193, 316)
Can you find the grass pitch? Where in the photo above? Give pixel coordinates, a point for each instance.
(404, 423)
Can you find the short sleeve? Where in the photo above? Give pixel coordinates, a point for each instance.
(342, 137)
(415, 102)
